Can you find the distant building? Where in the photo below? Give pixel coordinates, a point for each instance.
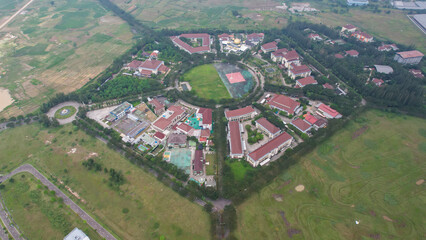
(383, 69)
(349, 28)
(255, 38)
(416, 73)
(240, 114)
(267, 127)
(387, 47)
(328, 86)
(315, 36)
(264, 153)
(290, 57)
(285, 104)
(362, 36)
(305, 81)
(176, 140)
(160, 137)
(236, 144)
(76, 234)
(157, 106)
(119, 111)
(378, 82)
(352, 53)
(301, 125)
(409, 57)
(328, 112)
(152, 66)
(169, 118)
(269, 47)
(357, 2)
(277, 56)
(198, 163)
(205, 45)
(185, 128)
(338, 55)
(206, 115)
(295, 71)
(414, 5)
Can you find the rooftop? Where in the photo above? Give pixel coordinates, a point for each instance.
(268, 125)
(352, 53)
(156, 104)
(151, 64)
(177, 138)
(269, 146)
(310, 118)
(239, 112)
(384, 69)
(284, 103)
(327, 109)
(76, 234)
(122, 107)
(159, 135)
(410, 54)
(235, 137)
(207, 115)
(198, 162)
(301, 124)
(270, 45)
(306, 81)
(291, 55)
(328, 86)
(299, 69)
(349, 26)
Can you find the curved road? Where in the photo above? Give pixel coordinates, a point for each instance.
(80, 212)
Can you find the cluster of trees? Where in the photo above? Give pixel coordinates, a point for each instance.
(253, 135)
(116, 178)
(269, 115)
(90, 164)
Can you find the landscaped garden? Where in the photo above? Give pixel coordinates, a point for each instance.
(65, 112)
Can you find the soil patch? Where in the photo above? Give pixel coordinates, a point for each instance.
(299, 188)
(278, 197)
(5, 98)
(359, 132)
(387, 218)
(420, 181)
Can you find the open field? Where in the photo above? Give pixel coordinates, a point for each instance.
(57, 46)
(139, 210)
(394, 26)
(206, 83)
(188, 14)
(369, 172)
(7, 7)
(30, 202)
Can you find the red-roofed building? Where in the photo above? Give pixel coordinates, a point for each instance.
(348, 28)
(328, 112)
(151, 65)
(205, 45)
(267, 127)
(291, 57)
(240, 114)
(284, 103)
(387, 47)
(311, 119)
(315, 36)
(169, 118)
(352, 53)
(409, 57)
(225, 37)
(269, 47)
(416, 73)
(159, 136)
(157, 106)
(328, 86)
(305, 81)
(255, 37)
(301, 125)
(338, 55)
(298, 71)
(206, 117)
(362, 36)
(264, 153)
(198, 163)
(185, 128)
(154, 54)
(378, 82)
(236, 144)
(321, 123)
(134, 65)
(205, 133)
(277, 56)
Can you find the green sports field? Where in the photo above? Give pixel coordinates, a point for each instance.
(369, 172)
(143, 208)
(206, 83)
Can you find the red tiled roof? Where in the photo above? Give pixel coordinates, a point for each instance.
(310, 118)
(284, 103)
(327, 109)
(312, 35)
(349, 26)
(239, 112)
(235, 137)
(280, 52)
(205, 43)
(134, 64)
(254, 35)
(156, 104)
(291, 55)
(352, 53)
(198, 161)
(162, 123)
(299, 69)
(207, 115)
(306, 81)
(225, 35)
(338, 55)
(163, 68)
(151, 64)
(268, 125)
(159, 135)
(410, 54)
(146, 72)
(205, 133)
(300, 124)
(321, 122)
(270, 146)
(269, 46)
(362, 35)
(378, 81)
(184, 127)
(328, 86)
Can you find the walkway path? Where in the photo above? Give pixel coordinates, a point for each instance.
(86, 217)
(16, 14)
(53, 110)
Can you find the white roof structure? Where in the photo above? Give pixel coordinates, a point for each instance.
(76, 234)
(384, 69)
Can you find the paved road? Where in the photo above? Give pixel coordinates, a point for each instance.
(30, 169)
(53, 110)
(9, 226)
(15, 14)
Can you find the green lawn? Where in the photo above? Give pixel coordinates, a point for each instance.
(370, 178)
(154, 210)
(206, 83)
(71, 111)
(211, 168)
(239, 169)
(38, 212)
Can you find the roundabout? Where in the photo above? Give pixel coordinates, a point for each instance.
(64, 112)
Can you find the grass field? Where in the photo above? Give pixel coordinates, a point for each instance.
(57, 46)
(31, 202)
(206, 83)
(211, 168)
(153, 210)
(71, 111)
(367, 172)
(239, 169)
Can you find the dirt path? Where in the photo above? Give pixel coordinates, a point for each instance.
(16, 14)
(80, 212)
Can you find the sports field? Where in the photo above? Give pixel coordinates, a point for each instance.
(56, 46)
(369, 173)
(29, 201)
(141, 209)
(206, 83)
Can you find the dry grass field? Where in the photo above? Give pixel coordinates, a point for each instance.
(57, 46)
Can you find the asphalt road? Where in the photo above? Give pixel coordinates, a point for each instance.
(30, 169)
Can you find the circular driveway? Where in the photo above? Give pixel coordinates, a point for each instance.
(53, 110)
